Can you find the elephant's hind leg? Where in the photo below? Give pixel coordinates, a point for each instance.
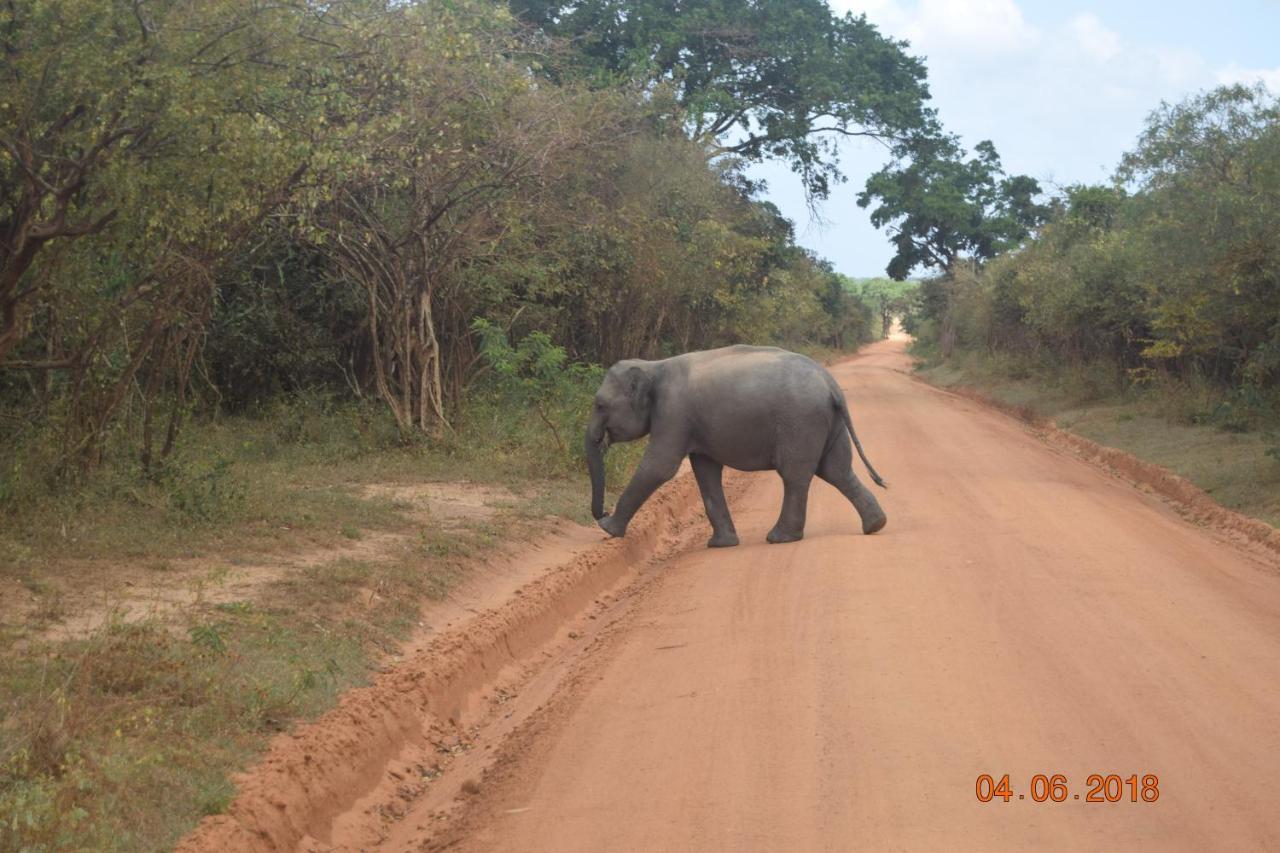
(837, 469)
(795, 505)
(709, 474)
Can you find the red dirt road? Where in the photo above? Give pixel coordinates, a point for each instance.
(1022, 613)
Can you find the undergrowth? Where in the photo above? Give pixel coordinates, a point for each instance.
(288, 469)
(115, 741)
(122, 738)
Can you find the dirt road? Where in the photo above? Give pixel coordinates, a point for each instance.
(1023, 613)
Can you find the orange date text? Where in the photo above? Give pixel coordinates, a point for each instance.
(1056, 788)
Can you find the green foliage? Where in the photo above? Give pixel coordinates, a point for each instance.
(1273, 450)
(279, 327)
(939, 207)
(1172, 274)
(535, 366)
(535, 375)
(239, 202)
(753, 78)
(139, 147)
(888, 298)
(205, 495)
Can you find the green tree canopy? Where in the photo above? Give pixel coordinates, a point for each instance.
(939, 206)
(1214, 133)
(1173, 269)
(755, 78)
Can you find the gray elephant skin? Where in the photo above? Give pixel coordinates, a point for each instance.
(750, 408)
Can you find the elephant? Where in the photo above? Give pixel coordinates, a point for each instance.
(748, 407)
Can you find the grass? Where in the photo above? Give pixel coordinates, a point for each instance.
(1193, 429)
(116, 741)
(122, 737)
(269, 482)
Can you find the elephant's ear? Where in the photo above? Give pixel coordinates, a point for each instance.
(640, 390)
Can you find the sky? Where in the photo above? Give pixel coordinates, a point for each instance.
(1062, 89)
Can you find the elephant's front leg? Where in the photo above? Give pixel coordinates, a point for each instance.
(658, 465)
(795, 506)
(709, 473)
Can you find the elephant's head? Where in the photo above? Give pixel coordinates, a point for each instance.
(621, 412)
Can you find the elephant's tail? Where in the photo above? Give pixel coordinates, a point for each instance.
(843, 406)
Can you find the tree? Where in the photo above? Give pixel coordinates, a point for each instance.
(1208, 134)
(138, 144)
(850, 321)
(440, 134)
(886, 297)
(754, 78)
(71, 101)
(939, 206)
(1206, 175)
(1171, 270)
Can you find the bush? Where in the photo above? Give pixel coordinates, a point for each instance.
(1164, 281)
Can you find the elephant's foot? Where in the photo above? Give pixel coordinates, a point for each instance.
(610, 524)
(874, 524)
(723, 540)
(777, 536)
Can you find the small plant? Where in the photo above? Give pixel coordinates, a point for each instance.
(1241, 410)
(241, 608)
(205, 495)
(51, 607)
(208, 636)
(214, 797)
(538, 374)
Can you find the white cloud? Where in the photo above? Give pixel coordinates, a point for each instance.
(1060, 91)
(1181, 66)
(1235, 74)
(980, 26)
(1093, 37)
(891, 16)
(974, 27)
(877, 10)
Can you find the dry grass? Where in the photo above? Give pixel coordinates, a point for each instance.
(121, 736)
(122, 739)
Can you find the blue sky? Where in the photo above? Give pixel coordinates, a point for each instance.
(1062, 88)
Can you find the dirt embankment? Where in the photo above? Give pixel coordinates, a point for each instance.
(387, 744)
(1189, 499)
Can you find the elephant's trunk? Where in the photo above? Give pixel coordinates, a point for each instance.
(594, 444)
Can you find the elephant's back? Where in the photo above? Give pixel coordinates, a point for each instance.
(742, 363)
(749, 401)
